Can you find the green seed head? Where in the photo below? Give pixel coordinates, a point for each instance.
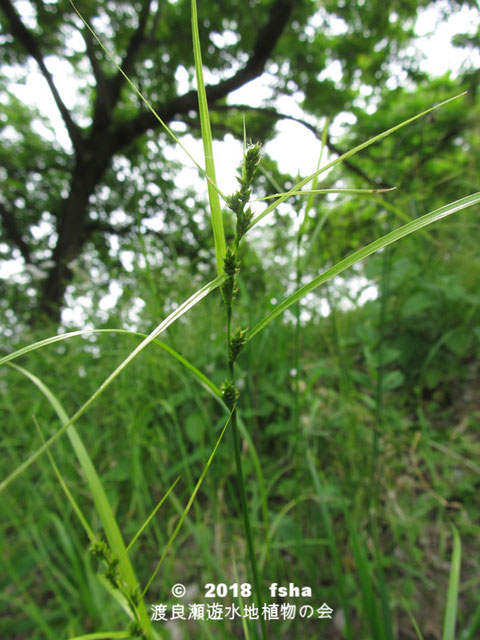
(243, 222)
(112, 573)
(231, 263)
(230, 393)
(135, 630)
(99, 549)
(251, 161)
(237, 343)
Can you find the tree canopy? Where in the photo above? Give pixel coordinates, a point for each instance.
(67, 210)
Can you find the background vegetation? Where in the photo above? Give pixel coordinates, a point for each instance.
(359, 420)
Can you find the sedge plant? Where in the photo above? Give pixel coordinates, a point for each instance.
(119, 577)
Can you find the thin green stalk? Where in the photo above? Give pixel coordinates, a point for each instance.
(246, 520)
(240, 600)
(186, 510)
(258, 469)
(240, 478)
(236, 340)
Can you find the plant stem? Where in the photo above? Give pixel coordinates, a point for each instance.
(246, 521)
(237, 203)
(241, 484)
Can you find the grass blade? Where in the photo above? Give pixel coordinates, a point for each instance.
(365, 579)
(83, 521)
(142, 528)
(103, 635)
(414, 622)
(468, 633)
(201, 377)
(385, 608)
(215, 209)
(188, 507)
(311, 198)
(332, 544)
(175, 315)
(450, 619)
(312, 192)
(138, 92)
(43, 343)
(100, 499)
(346, 155)
(389, 238)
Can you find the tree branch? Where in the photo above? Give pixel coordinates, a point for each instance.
(30, 44)
(90, 49)
(108, 88)
(136, 42)
(105, 227)
(156, 20)
(376, 184)
(280, 12)
(12, 232)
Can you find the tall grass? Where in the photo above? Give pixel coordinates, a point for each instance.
(120, 580)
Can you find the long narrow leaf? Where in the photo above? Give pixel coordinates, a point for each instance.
(201, 377)
(187, 508)
(414, 622)
(311, 197)
(99, 496)
(346, 155)
(175, 315)
(138, 92)
(338, 570)
(215, 209)
(103, 635)
(83, 521)
(312, 192)
(145, 524)
(450, 619)
(469, 632)
(43, 343)
(364, 573)
(389, 238)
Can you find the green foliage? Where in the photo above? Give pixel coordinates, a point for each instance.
(115, 145)
(354, 430)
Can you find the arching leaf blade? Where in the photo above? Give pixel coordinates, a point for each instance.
(175, 315)
(344, 264)
(346, 155)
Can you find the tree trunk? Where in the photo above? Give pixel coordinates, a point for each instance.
(72, 229)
